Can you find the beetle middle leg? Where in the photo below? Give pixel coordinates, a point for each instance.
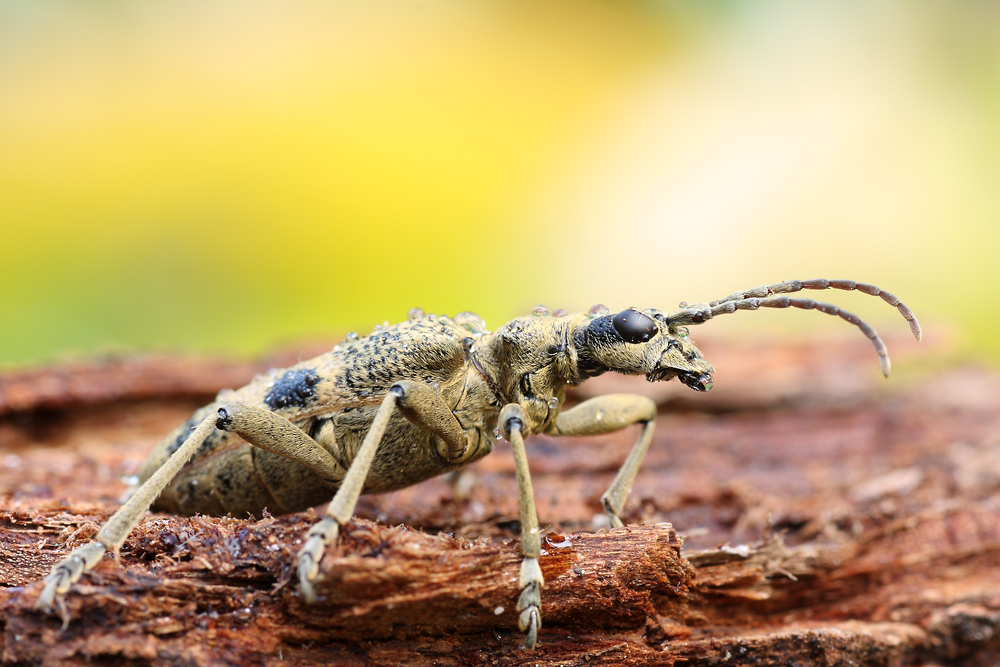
(419, 404)
(606, 414)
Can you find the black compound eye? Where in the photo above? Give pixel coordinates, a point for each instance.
(634, 327)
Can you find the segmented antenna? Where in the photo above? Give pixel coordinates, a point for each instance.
(768, 296)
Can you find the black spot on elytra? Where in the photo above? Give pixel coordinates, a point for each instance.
(295, 387)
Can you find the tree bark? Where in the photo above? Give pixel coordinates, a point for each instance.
(804, 512)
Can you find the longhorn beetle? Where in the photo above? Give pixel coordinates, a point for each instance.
(421, 398)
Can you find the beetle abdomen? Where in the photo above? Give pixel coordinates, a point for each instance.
(243, 480)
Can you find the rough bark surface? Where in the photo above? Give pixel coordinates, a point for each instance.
(817, 516)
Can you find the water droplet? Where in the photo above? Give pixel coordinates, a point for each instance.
(682, 332)
(599, 310)
(131, 480)
(498, 611)
(378, 327)
(496, 433)
(558, 541)
(337, 348)
(351, 336)
(553, 403)
(682, 304)
(560, 312)
(415, 314)
(472, 322)
(540, 311)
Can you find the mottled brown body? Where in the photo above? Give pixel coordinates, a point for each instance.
(228, 475)
(421, 398)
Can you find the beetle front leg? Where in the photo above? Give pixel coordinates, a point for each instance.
(606, 414)
(531, 581)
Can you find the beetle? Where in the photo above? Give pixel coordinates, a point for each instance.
(421, 398)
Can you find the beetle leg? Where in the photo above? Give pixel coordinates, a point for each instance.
(111, 536)
(341, 508)
(266, 430)
(421, 405)
(424, 407)
(531, 581)
(605, 414)
(461, 482)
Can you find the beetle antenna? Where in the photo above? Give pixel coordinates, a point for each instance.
(822, 283)
(772, 296)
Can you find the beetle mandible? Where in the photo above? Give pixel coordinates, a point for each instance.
(422, 398)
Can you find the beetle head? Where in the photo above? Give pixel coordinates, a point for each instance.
(638, 342)
(549, 352)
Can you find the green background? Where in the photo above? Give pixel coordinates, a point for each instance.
(230, 176)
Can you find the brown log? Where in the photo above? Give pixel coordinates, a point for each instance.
(812, 521)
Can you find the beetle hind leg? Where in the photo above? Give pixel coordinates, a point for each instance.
(67, 572)
(112, 535)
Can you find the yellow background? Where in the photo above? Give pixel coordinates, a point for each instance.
(228, 176)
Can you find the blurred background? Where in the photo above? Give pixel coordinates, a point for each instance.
(225, 177)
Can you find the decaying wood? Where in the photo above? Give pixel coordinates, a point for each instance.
(103, 381)
(817, 515)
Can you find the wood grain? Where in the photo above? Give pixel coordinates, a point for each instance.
(814, 517)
